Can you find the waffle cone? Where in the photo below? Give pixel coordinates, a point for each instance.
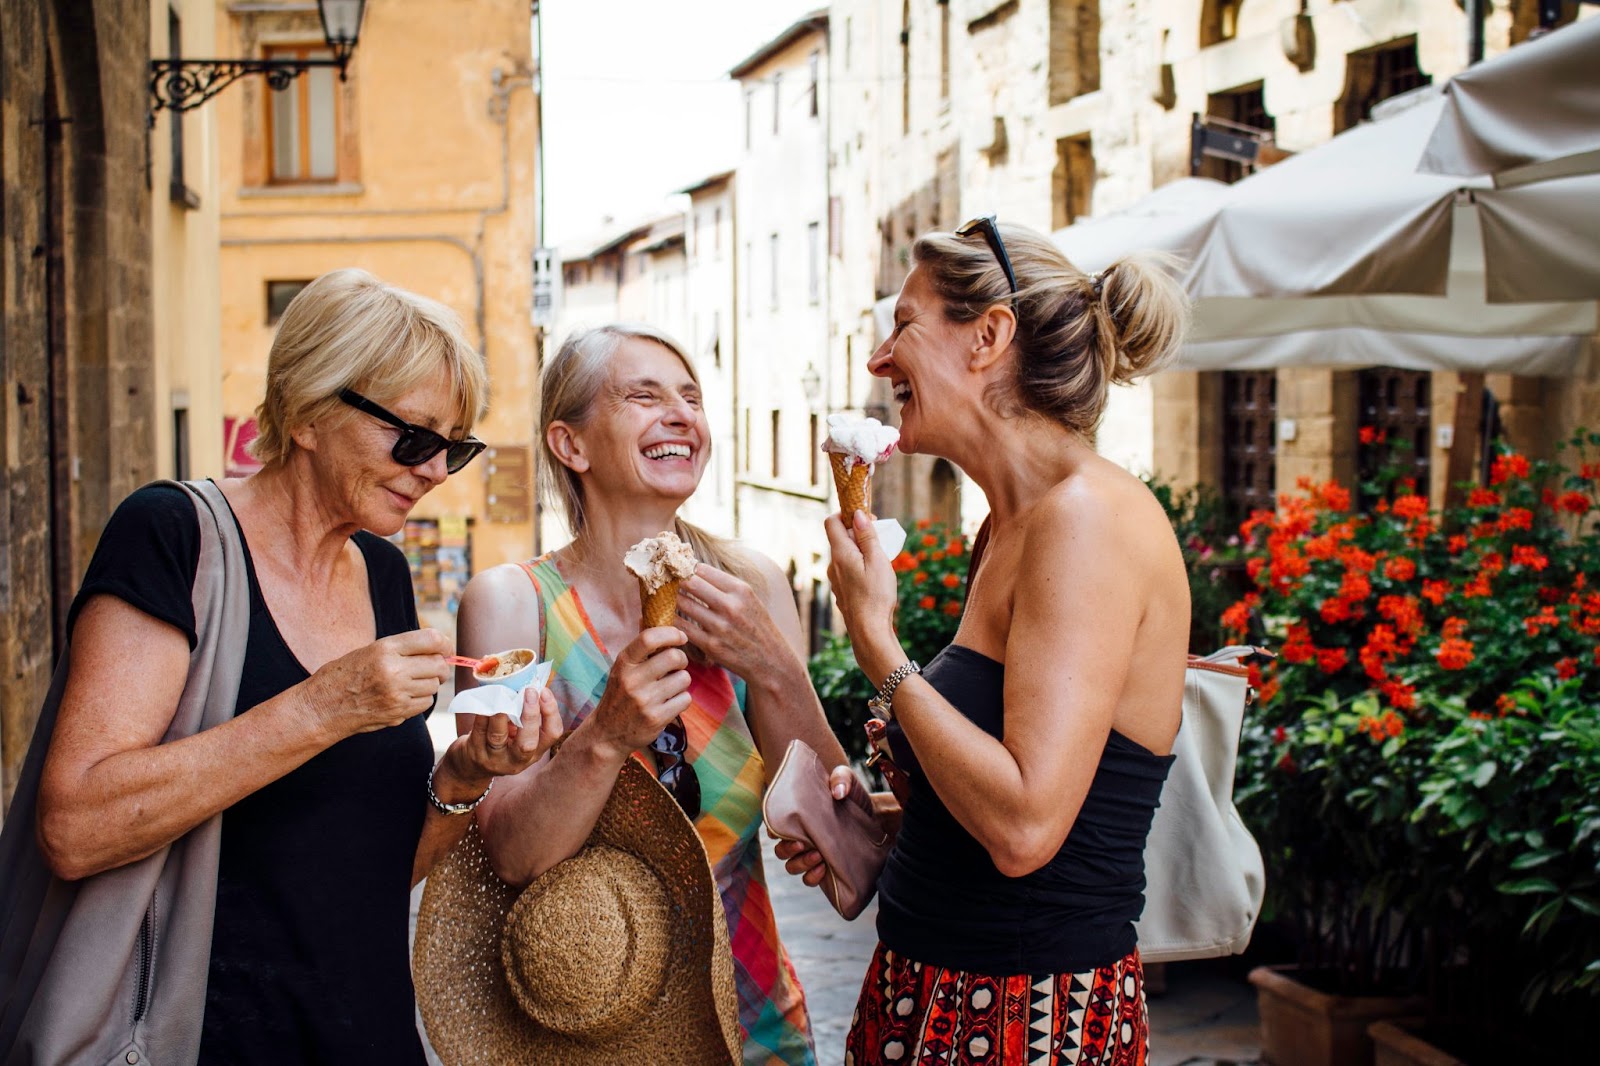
(854, 485)
(660, 608)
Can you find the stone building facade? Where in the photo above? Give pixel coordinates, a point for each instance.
(1045, 111)
(98, 349)
(420, 168)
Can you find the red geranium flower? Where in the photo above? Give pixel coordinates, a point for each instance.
(1400, 568)
(1567, 669)
(1455, 654)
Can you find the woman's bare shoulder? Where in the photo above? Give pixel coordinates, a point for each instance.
(506, 584)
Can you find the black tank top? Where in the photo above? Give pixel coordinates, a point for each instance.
(943, 902)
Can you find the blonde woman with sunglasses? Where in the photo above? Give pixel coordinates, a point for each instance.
(323, 779)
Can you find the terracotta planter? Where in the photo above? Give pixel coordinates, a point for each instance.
(1394, 1045)
(1303, 1027)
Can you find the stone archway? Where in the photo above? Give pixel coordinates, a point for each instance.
(944, 493)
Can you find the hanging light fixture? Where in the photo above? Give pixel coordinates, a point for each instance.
(179, 84)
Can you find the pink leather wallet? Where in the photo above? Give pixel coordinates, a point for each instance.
(848, 836)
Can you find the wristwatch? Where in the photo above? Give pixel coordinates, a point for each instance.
(882, 705)
(454, 808)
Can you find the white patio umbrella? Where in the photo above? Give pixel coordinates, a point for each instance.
(1530, 114)
(1345, 255)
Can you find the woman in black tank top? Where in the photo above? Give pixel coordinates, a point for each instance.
(1034, 746)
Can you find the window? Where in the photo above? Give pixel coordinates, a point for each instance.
(694, 238)
(1074, 48)
(905, 68)
(716, 233)
(944, 49)
(815, 450)
(775, 435)
(777, 99)
(180, 440)
(847, 42)
(749, 108)
(1074, 184)
(178, 190)
(303, 121)
(1249, 441)
(1219, 21)
(814, 261)
(747, 440)
(773, 240)
(716, 338)
(1375, 75)
(813, 72)
(1395, 405)
(279, 293)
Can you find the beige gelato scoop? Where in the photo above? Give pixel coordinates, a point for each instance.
(660, 563)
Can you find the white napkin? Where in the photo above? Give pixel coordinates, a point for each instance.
(489, 700)
(891, 536)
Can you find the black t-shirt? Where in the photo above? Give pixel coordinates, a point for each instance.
(310, 949)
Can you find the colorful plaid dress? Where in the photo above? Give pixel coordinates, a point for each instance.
(772, 1008)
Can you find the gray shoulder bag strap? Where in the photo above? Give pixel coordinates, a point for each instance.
(112, 968)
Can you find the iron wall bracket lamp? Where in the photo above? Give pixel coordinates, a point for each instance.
(179, 84)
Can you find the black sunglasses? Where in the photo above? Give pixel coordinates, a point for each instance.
(991, 233)
(417, 444)
(678, 775)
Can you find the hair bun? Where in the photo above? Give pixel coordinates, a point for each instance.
(1148, 312)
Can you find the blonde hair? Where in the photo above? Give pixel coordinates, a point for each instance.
(567, 392)
(1077, 334)
(349, 330)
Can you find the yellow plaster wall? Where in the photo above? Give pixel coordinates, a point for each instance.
(437, 196)
(184, 292)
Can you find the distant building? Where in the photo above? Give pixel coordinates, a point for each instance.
(786, 374)
(420, 168)
(1048, 111)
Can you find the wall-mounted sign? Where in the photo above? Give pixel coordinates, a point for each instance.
(509, 469)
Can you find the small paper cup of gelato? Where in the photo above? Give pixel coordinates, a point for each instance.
(512, 669)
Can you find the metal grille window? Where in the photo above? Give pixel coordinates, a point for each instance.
(1249, 440)
(1396, 407)
(1374, 76)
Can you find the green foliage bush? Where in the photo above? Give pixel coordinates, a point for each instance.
(1421, 768)
(931, 574)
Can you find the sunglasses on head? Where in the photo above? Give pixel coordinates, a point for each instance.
(416, 444)
(672, 756)
(991, 233)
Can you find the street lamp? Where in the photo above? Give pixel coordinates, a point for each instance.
(811, 384)
(179, 84)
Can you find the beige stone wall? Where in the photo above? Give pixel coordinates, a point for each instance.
(435, 193)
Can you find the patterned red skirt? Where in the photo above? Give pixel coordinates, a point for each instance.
(910, 1014)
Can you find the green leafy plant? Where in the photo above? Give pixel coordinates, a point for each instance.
(931, 575)
(1213, 554)
(1421, 765)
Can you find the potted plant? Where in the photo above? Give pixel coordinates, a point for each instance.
(931, 578)
(1419, 768)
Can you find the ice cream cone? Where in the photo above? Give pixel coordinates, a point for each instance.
(854, 484)
(660, 607)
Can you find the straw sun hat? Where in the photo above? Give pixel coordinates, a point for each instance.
(617, 955)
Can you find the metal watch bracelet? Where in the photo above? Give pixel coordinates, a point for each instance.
(454, 808)
(882, 704)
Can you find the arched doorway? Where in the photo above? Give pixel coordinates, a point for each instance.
(944, 493)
